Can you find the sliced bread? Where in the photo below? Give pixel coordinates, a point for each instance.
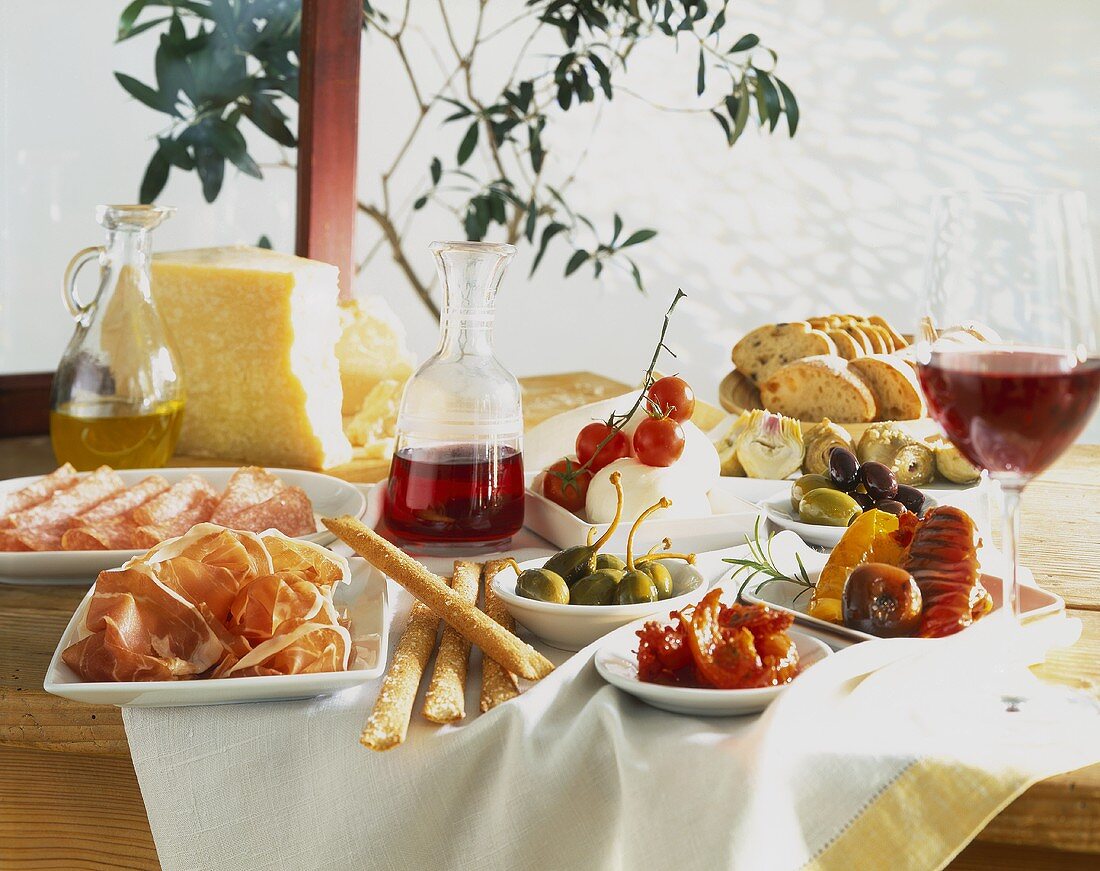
(894, 385)
(845, 345)
(767, 348)
(899, 339)
(817, 387)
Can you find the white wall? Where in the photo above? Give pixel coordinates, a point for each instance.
(899, 97)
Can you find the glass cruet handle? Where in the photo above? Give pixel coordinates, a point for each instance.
(68, 287)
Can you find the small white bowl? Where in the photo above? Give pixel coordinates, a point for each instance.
(571, 627)
(779, 511)
(617, 663)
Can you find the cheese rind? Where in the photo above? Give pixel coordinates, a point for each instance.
(256, 332)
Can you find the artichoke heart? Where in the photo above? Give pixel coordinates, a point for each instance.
(770, 446)
(820, 439)
(952, 465)
(911, 461)
(727, 448)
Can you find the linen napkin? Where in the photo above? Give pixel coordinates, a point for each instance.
(889, 754)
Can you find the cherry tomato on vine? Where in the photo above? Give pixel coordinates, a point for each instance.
(588, 440)
(673, 397)
(659, 441)
(567, 487)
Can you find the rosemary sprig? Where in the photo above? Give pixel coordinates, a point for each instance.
(762, 563)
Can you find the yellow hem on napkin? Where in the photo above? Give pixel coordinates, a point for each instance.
(923, 819)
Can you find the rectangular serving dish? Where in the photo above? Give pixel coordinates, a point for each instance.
(330, 497)
(1035, 602)
(364, 598)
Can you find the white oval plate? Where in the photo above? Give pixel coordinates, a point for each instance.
(779, 511)
(331, 497)
(365, 600)
(571, 627)
(617, 663)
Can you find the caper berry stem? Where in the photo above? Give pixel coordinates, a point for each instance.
(591, 535)
(664, 502)
(616, 482)
(689, 558)
(511, 562)
(663, 544)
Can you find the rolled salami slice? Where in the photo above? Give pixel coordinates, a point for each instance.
(181, 497)
(86, 493)
(39, 491)
(288, 511)
(121, 503)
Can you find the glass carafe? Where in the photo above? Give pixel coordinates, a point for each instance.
(118, 393)
(457, 472)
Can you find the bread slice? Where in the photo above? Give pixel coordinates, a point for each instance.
(771, 346)
(817, 387)
(860, 337)
(845, 345)
(894, 385)
(899, 339)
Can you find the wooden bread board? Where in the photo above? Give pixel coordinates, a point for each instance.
(737, 393)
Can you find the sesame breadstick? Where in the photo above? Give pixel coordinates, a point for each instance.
(389, 721)
(498, 685)
(476, 627)
(445, 701)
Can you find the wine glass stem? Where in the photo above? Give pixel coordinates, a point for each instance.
(1011, 536)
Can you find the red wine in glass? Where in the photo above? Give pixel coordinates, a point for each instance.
(1014, 411)
(455, 495)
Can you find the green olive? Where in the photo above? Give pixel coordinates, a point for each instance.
(662, 577)
(542, 585)
(807, 483)
(636, 587)
(824, 507)
(573, 563)
(609, 561)
(597, 588)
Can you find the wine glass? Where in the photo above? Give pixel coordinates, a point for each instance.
(1007, 345)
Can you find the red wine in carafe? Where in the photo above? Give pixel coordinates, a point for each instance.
(1011, 411)
(455, 494)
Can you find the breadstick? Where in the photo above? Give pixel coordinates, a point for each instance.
(498, 685)
(389, 721)
(445, 701)
(477, 628)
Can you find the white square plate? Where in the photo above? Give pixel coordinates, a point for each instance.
(331, 497)
(365, 600)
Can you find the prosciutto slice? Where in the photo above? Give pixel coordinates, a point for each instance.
(301, 647)
(137, 614)
(215, 603)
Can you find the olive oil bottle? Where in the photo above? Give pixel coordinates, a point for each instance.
(118, 396)
(90, 435)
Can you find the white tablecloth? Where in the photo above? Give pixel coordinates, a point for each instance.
(902, 767)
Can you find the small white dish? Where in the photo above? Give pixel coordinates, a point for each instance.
(1035, 602)
(617, 662)
(732, 518)
(571, 627)
(365, 600)
(331, 497)
(779, 511)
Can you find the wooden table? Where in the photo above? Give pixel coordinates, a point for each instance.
(69, 797)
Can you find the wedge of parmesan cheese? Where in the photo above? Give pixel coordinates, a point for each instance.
(256, 331)
(371, 350)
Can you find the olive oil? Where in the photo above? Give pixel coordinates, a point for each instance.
(91, 434)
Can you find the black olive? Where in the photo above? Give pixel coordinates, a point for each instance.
(890, 506)
(878, 480)
(911, 498)
(865, 502)
(843, 468)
